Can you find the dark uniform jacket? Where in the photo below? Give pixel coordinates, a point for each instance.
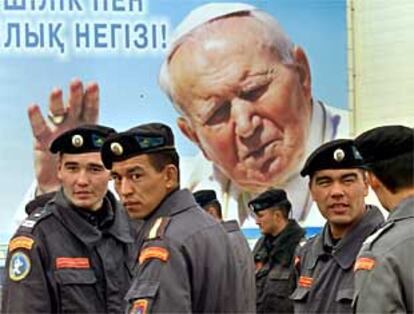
(325, 277)
(64, 260)
(384, 278)
(275, 278)
(245, 263)
(186, 264)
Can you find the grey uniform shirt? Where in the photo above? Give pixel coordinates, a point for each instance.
(62, 260)
(325, 277)
(384, 277)
(244, 262)
(186, 264)
(275, 274)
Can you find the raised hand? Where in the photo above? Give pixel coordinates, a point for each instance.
(82, 107)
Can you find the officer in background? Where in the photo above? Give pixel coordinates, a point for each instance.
(207, 199)
(186, 264)
(384, 278)
(274, 251)
(72, 255)
(338, 185)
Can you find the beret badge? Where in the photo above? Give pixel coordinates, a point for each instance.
(117, 149)
(77, 140)
(339, 155)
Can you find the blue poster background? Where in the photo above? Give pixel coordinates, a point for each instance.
(129, 92)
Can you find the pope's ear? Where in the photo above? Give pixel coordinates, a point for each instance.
(186, 128)
(301, 60)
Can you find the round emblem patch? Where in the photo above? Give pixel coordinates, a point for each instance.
(339, 155)
(117, 149)
(77, 140)
(19, 266)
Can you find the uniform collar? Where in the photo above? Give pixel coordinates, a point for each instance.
(284, 244)
(85, 231)
(404, 210)
(231, 225)
(174, 203)
(346, 250)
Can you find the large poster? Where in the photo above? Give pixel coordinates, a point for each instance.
(290, 100)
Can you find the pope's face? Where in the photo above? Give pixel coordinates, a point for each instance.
(248, 112)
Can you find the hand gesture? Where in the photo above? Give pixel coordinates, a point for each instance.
(82, 107)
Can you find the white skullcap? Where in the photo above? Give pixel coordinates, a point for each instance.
(202, 15)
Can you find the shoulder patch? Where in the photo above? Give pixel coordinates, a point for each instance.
(154, 252)
(158, 228)
(19, 266)
(364, 263)
(139, 306)
(21, 242)
(305, 281)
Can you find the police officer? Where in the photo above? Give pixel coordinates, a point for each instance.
(185, 262)
(207, 199)
(72, 254)
(338, 185)
(274, 251)
(384, 268)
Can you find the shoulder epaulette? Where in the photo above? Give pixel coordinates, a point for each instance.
(33, 219)
(373, 237)
(158, 228)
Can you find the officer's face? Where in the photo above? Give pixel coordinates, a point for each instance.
(267, 220)
(247, 111)
(340, 195)
(213, 212)
(140, 186)
(84, 179)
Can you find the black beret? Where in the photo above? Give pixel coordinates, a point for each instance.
(336, 154)
(83, 139)
(205, 197)
(268, 199)
(385, 143)
(142, 139)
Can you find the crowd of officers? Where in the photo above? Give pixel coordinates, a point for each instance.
(80, 250)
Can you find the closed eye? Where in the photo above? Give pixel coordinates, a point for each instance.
(255, 93)
(221, 115)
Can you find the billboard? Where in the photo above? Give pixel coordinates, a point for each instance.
(121, 45)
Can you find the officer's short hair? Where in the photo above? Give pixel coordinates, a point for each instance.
(161, 159)
(389, 155)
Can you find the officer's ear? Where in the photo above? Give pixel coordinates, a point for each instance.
(59, 167)
(170, 177)
(373, 181)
